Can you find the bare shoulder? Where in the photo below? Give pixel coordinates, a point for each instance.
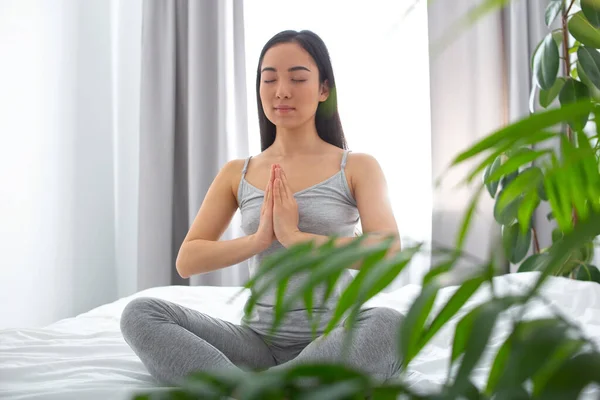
(361, 166)
(232, 171)
(361, 160)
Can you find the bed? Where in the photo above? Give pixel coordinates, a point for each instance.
(85, 357)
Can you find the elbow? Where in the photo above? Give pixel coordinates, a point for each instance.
(181, 264)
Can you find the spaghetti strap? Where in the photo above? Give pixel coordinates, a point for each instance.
(344, 157)
(245, 167)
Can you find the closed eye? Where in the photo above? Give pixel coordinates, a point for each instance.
(293, 80)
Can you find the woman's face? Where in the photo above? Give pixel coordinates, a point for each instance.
(289, 86)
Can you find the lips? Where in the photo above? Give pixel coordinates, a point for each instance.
(284, 108)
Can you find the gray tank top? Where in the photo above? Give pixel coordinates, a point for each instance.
(326, 208)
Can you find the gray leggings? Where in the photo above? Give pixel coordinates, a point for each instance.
(173, 341)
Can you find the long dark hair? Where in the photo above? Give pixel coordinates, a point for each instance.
(327, 118)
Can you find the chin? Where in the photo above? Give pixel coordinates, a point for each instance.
(285, 122)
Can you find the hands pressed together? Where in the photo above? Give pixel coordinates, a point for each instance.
(279, 213)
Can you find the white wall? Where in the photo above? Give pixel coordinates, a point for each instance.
(380, 59)
(57, 184)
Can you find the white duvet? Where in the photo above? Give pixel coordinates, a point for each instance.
(85, 357)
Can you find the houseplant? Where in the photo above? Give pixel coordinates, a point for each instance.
(563, 71)
(547, 358)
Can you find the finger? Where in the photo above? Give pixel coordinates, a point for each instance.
(277, 192)
(282, 188)
(268, 193)
(286, 185)
(269, 198)
(265, 200)
(272, 173)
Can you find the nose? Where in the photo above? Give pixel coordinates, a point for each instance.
(283, 90)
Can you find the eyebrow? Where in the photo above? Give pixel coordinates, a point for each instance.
(296, 68)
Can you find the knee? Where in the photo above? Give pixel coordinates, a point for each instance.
(385, 323)
(136, 315)
(385, 319)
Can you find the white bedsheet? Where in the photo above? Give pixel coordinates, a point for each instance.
(85, 357)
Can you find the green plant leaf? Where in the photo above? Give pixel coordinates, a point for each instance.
(572, 157)
(262, 386)
(530, 202)
(557, 35)
(339, 260)
(552, 11)
(510, 198)
(473, 338)
(464, 228)
(589, 60)
(554, 361)
(541, 192)
(574, 73)
(506, 214)
(349, 296)
(390, 391)
(558, 196)
(492, 185)
(574, 48)
(535, 341)
(458, 299)
(572, 377)
(515, 161)
(369, 282)
(559, 252)
(582, 30)
(530, 126)
(548, 96)
(589, 166)
(531, 263)
(546, 62)
(523, 140)
(516, 243)
(594, 272)
(573, 92)
(593, 90)
(326, 372)
(507, 179)
(412, 328)
(591, 11)
(498, 366)
(440, 269)
(340, 390)
(582, 273)
(517, 393)
(385, 273)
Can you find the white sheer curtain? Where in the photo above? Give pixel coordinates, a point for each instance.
(379, 53)
(57, 160)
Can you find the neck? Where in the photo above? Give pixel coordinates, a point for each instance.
(300, 140)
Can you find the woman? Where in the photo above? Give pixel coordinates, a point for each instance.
(304, 185)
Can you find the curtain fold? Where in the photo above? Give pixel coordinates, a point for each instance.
(480, 83)
(192, 121)
(468, 101)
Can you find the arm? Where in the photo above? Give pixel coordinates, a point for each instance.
(202, 251)
(372, 200)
